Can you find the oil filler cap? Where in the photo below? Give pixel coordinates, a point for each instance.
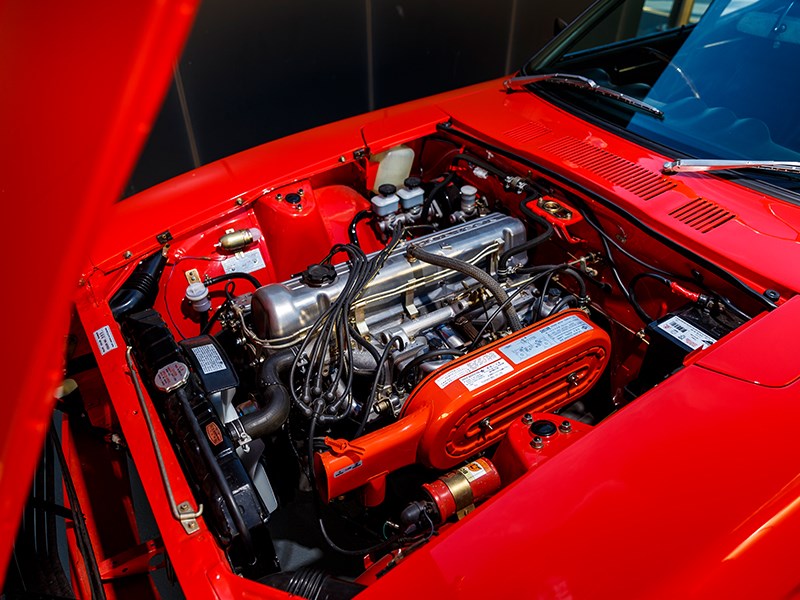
(543, 428)
(318, 275)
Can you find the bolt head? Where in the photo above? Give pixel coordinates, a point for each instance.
(565, 427)
(127, 254)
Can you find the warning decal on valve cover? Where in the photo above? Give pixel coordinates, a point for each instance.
(105, 339)
(209, 358)
(485, 375)
(468, 367)
(545, 338)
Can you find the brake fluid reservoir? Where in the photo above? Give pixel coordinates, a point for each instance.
(394, 166)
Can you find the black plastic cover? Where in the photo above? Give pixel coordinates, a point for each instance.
(210, 364)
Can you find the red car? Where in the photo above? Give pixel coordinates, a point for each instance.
(531, 338)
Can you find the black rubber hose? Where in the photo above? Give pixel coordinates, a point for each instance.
(278, 401)
(141, 288)
(364, 343)
(426, 205)
(351, 231)
(730, 278)
(482, 164)
(415, 362)
(229, 276)
(476, 273)
(502, 264)
(216, 471)
(632, 293)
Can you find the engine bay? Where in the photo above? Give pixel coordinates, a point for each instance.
(347, 364)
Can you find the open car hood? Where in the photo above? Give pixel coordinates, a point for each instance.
(82, 83)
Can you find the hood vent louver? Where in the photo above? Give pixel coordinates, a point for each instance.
(527, 132)
(640, 181)
(702, 215)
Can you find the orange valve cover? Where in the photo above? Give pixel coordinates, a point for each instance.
(467, 405)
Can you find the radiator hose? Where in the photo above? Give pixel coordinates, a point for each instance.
(476, 273)
(278, 402)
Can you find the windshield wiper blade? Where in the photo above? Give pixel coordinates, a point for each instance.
(692, 165)
(516, 84)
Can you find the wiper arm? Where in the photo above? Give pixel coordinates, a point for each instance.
(516, 84)
(691, 165)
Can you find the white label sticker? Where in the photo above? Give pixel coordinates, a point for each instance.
(486, 375)
(209, 358)
(468, 367)
(686, 333)
(473, 471)
(105, 339)
(347, 469)
(545, 338)
(245, 262)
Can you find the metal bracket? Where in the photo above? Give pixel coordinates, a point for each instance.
(408, 300)
(189, 517)
(360, 316)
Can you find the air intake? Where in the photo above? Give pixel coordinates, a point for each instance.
(640, 181)
(702, 215)
(527, 132)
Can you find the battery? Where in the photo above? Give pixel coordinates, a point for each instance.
(674, 336)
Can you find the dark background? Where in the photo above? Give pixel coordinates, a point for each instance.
(256, 70)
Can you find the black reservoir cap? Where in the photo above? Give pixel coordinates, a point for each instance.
(543, 428)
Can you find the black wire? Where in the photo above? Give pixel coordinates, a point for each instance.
(502, 262)
(548, 271)
(563, 303)
(315, 494)
(379, 372)
(502, 175)
(364, 343)
(352, 233)
(216, 471)
(327, 347)
(424, 357)
(230, 276)
(82, 539)
(725, 275)
(426, 205)
(500, 308)
(632, 290)
(229, 291)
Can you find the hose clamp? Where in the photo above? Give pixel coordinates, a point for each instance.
(239, 434)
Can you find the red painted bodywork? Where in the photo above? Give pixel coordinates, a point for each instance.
(692, 490)
(517, 453)
(81, 86)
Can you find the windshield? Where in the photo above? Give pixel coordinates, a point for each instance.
(723, 74)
